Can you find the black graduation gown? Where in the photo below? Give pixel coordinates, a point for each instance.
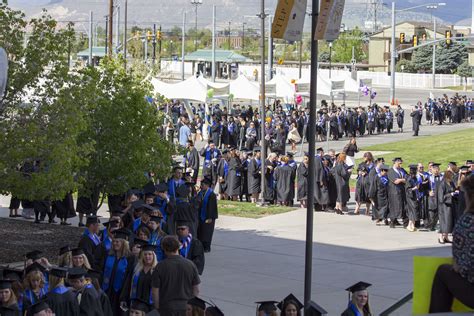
(11, 310)
(115, 202)
(87, 204)
(446, 207)
(143, 290)
(105, 304)
(433, 200)
(234, 177)
(342, 176)
(396, 194)
(254, 177)
(413, 204)
(332, 188)
(192, 161)
(89, 302)
(63, 304)
(206, 230)
(89, 248)
(14, 203)
(196, 255)
(415, 117)
(216, 133)
(378, 192)
(65, 207)
(285, 183)
(209, 169)
(361, 194)
(222, 174)
(302, 182)
(269, 188)
(186, 211)
(319, 180)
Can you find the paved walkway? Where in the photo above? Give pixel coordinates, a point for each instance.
(262, 259)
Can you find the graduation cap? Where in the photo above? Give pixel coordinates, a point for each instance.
(380, 159)
(249, 153)
(397, 159)
(77, 252)
(452, 163)
(225, 151)
(290, 155)
(34, 255)
(149, 247)
(435, 164)
(182, 223)
(214, 311)
(138, 204)
(149, 188)
(140, 305)
(384, 167)
(117, 214)
(306, 153)
(266, 306)
(313, 309)
(121, 233)
(464, 168)
(359, 286)
(469, 162)
(256, 149)
(38, 307)
(64, 249)
(196, 301)
(34, 267)
(92, 220)
(319, 149)
(148, 209)
(134, 192)
(206, 181)
(156, 219)
(182, 191)
(177, 167)
(93, 274)
(290, 299)
(140, 242)
(161, 187)
(12, 274)
(76, 273)
(58, 272)
(111, 223)
(5, 284)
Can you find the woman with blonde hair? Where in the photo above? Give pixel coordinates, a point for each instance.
(138, 284)
(8, 302)
(359, 302)
(65, 257)
(79, 259)
(61, 299)
(342, 174)
(117, 266)
(34, 284)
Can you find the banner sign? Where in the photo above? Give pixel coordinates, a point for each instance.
(337, 85)
(289, 20)
(302, 87)
(329, 20)
(270, 89)
(365, 82)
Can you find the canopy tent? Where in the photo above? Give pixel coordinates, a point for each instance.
(284, 89)
(189, 89)
(323, 87)
(215, 85)
(242, 89)
(350, 85)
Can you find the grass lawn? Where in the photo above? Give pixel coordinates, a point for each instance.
(244, 209)
(459, 88)
(456, 146)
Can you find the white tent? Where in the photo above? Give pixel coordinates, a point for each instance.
(324, 87)
(189, 89)
(350, 85)
(215, 85)
(243, 89)
(284, 88)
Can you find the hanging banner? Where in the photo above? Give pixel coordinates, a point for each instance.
(270, 89)
(289, 20)
(302, 87)
(337, 85)
(365, 82)
(329, 20)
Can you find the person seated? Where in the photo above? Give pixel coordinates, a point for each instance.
(457, 280)
(359, 302)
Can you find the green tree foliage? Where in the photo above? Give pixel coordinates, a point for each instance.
(447, 59)
(342, 47)
(465, 71)
(39, 121)
(407, 66)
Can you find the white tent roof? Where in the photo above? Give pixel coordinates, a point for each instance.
(215, 85)
(284, 88)
(189, 89)
(243, 89)
(350, 85)
(324, 87)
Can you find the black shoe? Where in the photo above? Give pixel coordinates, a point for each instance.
(37, 221)
(385, 221)
(67, 224)
(52, 221)
(392, 224)
(395, 222)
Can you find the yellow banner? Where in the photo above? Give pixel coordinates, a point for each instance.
(289, 20)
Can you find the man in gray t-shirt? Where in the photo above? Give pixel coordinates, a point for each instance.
(174, 281)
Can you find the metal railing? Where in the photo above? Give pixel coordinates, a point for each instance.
(407, 298)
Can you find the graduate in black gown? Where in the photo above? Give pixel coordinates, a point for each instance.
(435, 177)
(90, 240)
(413, 197)
(186, 208)
(284, 182)
(211, 156)
(60, 299)
(378, 193)
(138, 283)
(318, 178)
(93, 277)
(208, 213)
(254, 175)
(222, 173)
(246, 158)
(64, 209)
(8, 301)
(87, 296)
(302, 181)
(234, 176)
(191, 159)
(447, 200)
(117, 266)
(192, 248)
(396, 192)
(342, 174)
(269, 188)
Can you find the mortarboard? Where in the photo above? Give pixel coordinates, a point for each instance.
(214, 311)
(306, 153)
(256, 149)
(93, 274)
(140, 242)
(12, 274)
(34, 255)
(64, 249)
(34, 267)
(290, 155)
(384, 167)
(111, 223)
(452, 163)
(59, 272)
(121, 233)
(177, 167)
(38, 307)
(435, 164)
(196, 301)
(249, 153)
(140, 305)
(117, 214)
(77, 252)
(225, 151)
(92, 220)
(266, 306)
(134, 192)
(149, 248)
(147, 209)
(464, 168)
(138, 204)
(397, 159)
(319, 149)
(5, 284)
(469, 162)
(76, 273)
(413, 167)
(182, 191)
(149, 188)
(313, 309)
(359, 286)
(381, 159)
(156, 219)
(206, 181)
(182, 223)
(290, 299)
(161, 187)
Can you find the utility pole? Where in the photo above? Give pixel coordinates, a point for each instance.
(434, 53)
(183, 45)
(111, 26)
(154, 44)
(159, 47)
(270, 48)
(125, 34)
(393, 58)
(262, 93)
(107, 35)
(243, 35)
(228, 35)
(117, 34)
(213, 66)
(300, 63)
(90, 38)
(330, 58)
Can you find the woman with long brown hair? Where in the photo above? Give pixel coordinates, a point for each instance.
(8, 302)
(447, 200)
(342, 174)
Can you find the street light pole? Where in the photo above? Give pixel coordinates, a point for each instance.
(110, 28)
(262, 94)
(300, 63)
(213, 66)
(270, 48)
(228, 36)
(125, 34)
(183, 41)
(243, 35)
(392, 59)
(196, 3)
(330, 59)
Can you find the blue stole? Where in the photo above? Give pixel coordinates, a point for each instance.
(107, 243)
(384, 180)
(133, 294)
(155, 240)
(60, 289)
(31, 295)
(20, 303)
(259, 163)
(95, 239)
(172, 185)
(162, 206)
(205, 200)
(226, 168)
(354, 309)
(119, 273)
(136, 224)
(184, 251)
(292, 163)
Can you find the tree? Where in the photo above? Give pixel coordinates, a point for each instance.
(39, 121)
(342, 47)
(465, 71)
(407, 66)
(123, 128)
(447, 59)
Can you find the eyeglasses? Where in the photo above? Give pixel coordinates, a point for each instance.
(181, 228)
